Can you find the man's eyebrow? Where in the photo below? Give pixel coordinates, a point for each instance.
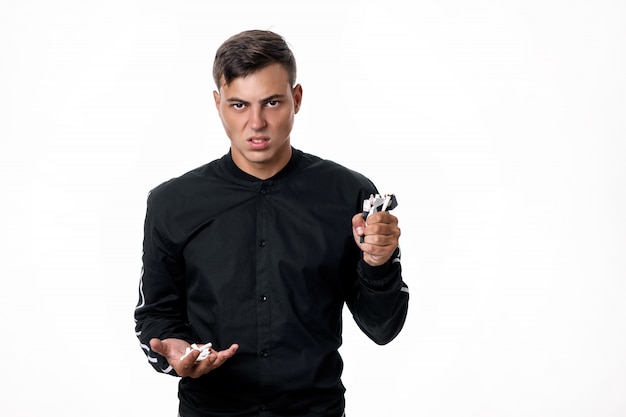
(263, 100)
(236, 100)
(272, 97)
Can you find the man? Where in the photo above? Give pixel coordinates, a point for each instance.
(257, 252)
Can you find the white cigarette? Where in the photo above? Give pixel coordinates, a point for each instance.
(386, 203)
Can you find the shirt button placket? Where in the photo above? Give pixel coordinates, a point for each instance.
(263, 280)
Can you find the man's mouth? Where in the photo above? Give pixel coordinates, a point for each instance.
(258, 142)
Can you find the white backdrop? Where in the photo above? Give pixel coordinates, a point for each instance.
(500, 125)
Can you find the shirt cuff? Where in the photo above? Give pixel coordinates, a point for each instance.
(379, 275)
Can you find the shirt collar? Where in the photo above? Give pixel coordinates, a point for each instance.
(296, 155)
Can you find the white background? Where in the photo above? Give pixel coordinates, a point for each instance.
(500, 125)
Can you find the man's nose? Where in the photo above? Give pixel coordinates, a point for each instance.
(257, 118)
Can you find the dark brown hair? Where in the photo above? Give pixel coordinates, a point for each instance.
(249, 51)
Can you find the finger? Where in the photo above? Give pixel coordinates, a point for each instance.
(224, 355)
(232, 350)
(187, 359)
(383, 217)
(358, 220)
(358, 225)
(157, 346)
(210, 363)
(382, 235)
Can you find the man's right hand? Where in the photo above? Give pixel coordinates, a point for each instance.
(174, 349)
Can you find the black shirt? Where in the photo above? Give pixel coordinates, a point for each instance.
(267, 264)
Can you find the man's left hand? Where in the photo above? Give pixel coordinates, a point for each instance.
(380, 234)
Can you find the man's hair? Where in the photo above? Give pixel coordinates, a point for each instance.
(250, 51)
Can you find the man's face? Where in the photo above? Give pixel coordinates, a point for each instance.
(258, 113)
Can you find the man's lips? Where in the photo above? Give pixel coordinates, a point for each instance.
(258, 142)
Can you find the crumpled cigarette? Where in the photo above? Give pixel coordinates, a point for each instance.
(377, 203)
(204, 351)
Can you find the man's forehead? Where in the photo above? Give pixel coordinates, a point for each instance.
(274, 74)
(254, 92)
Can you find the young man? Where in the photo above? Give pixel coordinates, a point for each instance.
(257, 252)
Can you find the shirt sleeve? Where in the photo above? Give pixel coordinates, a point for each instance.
(379, 300)
(160, 311)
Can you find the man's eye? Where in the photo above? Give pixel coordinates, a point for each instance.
(273, 103)
(238, 106)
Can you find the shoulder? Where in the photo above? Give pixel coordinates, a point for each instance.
(320, 167)
(181, 187)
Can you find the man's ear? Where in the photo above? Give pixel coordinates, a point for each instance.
(218, 99)
(296, 92)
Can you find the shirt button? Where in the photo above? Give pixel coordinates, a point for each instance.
(263, 407)
(263, 298)
(262, 243)
(263, 191)
(265, 353)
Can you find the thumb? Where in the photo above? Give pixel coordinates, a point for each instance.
(157, 346)
(358, 224)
